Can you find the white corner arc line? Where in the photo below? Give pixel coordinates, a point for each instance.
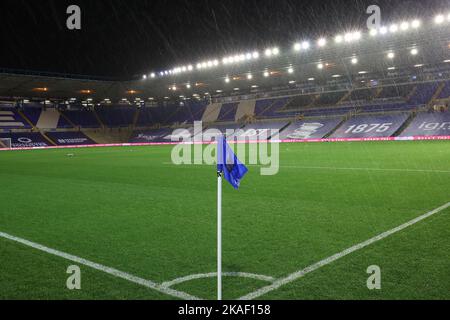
(301, 273)
(171, 283)
(111, 271)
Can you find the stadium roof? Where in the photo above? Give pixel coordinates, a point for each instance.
(413, 46)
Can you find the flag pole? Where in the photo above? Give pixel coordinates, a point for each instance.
(219, 236)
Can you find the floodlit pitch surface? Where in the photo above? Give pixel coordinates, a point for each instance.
(128, 209)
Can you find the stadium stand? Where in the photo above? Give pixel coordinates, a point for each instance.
(313, 129)
(82, 118)
(228, 112)
(11, 119)
(429, 124)
(26, 139)
(262, 130)
(116, 116)
(371, 126)
(69, 138)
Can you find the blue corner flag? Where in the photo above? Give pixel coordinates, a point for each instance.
(227, 163)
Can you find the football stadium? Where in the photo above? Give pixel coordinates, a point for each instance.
(357, 122)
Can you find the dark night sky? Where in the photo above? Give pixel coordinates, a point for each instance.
(126, 38)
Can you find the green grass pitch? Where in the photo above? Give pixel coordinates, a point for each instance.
(129, 209)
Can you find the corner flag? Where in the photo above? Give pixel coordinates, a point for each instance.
(228, 163)
(229, 166)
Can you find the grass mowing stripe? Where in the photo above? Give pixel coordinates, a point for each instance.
(99, 267)
(299, 274)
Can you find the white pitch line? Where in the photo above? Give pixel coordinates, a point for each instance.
(368, 169)
(105, 269)
(301, 273)
(171, 283)
(331, 168)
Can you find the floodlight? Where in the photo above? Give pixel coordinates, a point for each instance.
(383, 30)
(152, 75)
(190, 68)
(305, 45)
(356, 35)
(404, 26)
(297, 47)
(354, 60)
(227, 80)
(249, 76)
(393, 28)
(266, 74)
(188, 86)
(291, 70)
(144, 77)
(321, 42)
(391, 55)
(416, 24)
(414, 51)
(439, 19)
(348, 37)
(339, 39)
(320, 66)
(268, 52)
(255, 55)
(275, 51)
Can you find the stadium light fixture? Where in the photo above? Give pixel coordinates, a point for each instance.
(320, 66)
(339, 39)
(305, 45)
(393, 28)
(322, 42)
(174, 88)
(255, 55)
(354, 60)
(383, 30)
(249, 76)
(311, 79)
(188, 86)
(144, 77)
(391, 55)
(290, 70)
(414, 51)
(416, 24)
(391, 68)
(404, 26)
(266, 74)
(227, 80)
(439, 19)
(275, 51)
(297, 46)
(152, 75)
(190, 68)
(373, 32)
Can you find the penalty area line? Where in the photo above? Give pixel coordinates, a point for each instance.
(111, 271)
(301, 273)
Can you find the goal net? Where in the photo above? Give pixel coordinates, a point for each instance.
(5, 143)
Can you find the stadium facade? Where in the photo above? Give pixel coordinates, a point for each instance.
(393, 82)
